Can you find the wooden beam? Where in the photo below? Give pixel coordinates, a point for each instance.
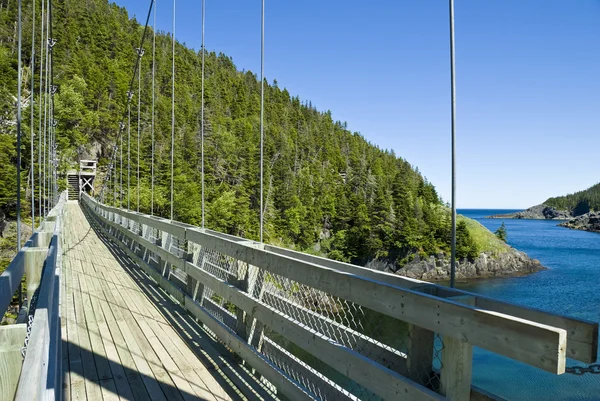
(536, 344)
(12, 338)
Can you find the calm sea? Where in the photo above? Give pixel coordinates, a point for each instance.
(570, 286)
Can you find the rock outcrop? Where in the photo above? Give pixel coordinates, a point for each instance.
(586, 222)
(539, 212)
(437, 268)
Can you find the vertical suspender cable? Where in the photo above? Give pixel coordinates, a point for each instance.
(46, 100)
(31, 103)
(453, 118)
(173, 111)
(121, 171)
(129, 153)
(262, 110)
(40, 185)
(152, 129)
(140, 54)
(202, 115)
(19, 74)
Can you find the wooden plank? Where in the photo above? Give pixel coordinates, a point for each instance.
(87, 355)
(118, 373)
(153, 374)
(97, 347)
(113, 316)
(203, 384)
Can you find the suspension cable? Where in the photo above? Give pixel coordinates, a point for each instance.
(153, 98)
(46, 100)
(40, 182)
(453, 123)
(262, 111)
(112, 164)
(121, 126)
(129, 151)
(19, 132)
(173, 112)
(31, 103)
(202, 114)
(140, 54)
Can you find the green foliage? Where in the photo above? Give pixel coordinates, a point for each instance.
(501, 232)
(579, 202)
(465, 245)
(325, 188)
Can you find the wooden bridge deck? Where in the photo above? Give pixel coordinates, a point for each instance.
(116, 342)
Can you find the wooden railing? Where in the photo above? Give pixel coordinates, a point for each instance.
(320, 329)
(31, 335)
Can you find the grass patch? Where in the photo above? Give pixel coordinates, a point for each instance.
(484, 239)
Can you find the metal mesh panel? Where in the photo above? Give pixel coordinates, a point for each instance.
(376, 336)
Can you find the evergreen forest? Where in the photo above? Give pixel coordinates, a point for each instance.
(327, 190)
(578, 203)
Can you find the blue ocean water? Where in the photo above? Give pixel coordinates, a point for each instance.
(570, 286)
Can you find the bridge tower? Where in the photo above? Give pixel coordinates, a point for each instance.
(82, 181)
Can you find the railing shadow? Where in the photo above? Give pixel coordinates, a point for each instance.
(226, 368)
(135, 391)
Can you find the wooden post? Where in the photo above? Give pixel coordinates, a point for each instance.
(242, 284)
(457, 363)
(256, 278)
(34, 261)
(420, 354)
(12, 338)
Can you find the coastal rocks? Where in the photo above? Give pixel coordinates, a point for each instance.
(539, 212)
(510, 263)
(586, 222)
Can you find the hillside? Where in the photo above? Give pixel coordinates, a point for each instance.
(327, 189)
(561, 207)
(578, 203)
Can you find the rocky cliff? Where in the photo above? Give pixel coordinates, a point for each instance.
(587, 222)
(539, 212)
(437, 268)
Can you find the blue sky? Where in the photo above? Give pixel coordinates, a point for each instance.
(528, 81)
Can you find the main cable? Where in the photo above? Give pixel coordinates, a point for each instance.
(121, 127)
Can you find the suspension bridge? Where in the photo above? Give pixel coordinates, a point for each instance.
(126, 305)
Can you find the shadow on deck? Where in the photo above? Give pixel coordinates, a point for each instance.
(236, 380)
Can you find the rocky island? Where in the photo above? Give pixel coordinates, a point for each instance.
(437, 268)
(587, 222)
(538, 212)
(494, 258)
